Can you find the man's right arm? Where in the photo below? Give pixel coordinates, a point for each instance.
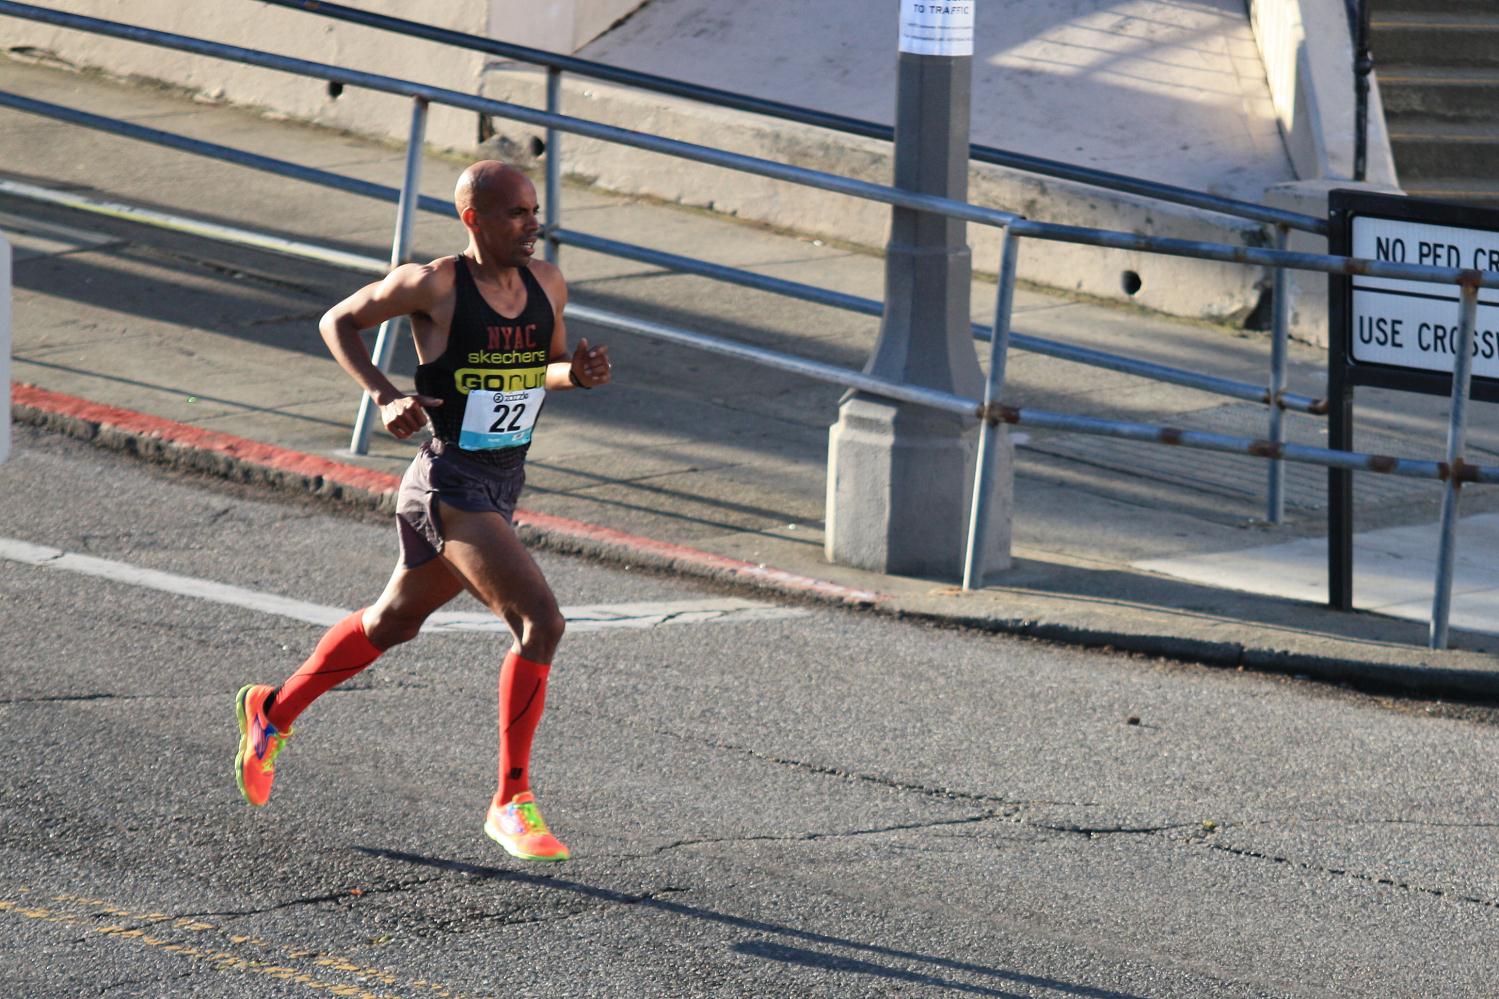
(410, 288)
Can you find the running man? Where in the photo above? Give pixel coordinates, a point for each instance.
(491, 345)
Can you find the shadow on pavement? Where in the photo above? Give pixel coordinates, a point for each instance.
(766, 949)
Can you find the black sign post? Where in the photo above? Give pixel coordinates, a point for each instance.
(1396, 334)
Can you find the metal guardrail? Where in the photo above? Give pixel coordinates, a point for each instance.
(872, 307)
(810, 293)
(989, 412)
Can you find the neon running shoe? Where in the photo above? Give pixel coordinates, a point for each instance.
(259, 744)
(520, 829)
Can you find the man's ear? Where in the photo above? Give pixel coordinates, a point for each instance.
(468, 215)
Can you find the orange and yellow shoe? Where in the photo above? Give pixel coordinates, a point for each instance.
(520, 829)
(259, 744)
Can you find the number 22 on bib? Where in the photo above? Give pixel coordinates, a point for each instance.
(500, 419)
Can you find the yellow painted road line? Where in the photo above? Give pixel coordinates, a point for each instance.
(171, 935)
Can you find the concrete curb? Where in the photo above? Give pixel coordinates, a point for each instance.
(240, 460)
(1469, 685)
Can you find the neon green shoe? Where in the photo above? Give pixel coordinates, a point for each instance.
(259, 744)
(520, 829)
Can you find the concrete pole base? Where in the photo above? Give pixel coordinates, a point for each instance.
(889, 463)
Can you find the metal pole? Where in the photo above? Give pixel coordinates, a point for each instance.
(1462, 377)
(983, 471)
(400, 250)
(554, 165)
(1363, 65)
(898, 489)
(1280, 291)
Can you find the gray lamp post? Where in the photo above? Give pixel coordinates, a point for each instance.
(899, 476)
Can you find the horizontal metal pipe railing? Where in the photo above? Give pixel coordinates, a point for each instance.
(229, 154)
(769, 168)
(1042, 419)
(1326, 263)
(805, 292)
(932, 398)
(197, 227)
(675, 262)
(872, 307)
(807, 116)
(1413, 468)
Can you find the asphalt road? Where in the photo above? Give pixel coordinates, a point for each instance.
(820, 803)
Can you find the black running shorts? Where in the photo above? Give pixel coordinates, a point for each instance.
(443, 472)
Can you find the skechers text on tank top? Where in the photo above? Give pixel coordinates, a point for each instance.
(491, 378)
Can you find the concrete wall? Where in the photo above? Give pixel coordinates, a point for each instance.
(555, 26)
(1175, 285)
(1308, 55)
(558, 25)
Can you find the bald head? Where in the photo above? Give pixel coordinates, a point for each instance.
(486, 185)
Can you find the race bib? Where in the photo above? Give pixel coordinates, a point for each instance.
(499, 419)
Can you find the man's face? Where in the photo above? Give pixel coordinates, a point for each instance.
(507, 224)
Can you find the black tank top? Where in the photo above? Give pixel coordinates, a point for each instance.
(492, 376)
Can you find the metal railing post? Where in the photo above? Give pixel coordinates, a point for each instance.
(1462, 378)
(983, 471)
(1363, 65)
(400, 250)
(554, 166)
(1275, 503)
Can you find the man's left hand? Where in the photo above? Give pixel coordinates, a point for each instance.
(590, 365)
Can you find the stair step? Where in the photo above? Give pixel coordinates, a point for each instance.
(1440, 39)
(1459, 189)
(1426, 148)
(1450, 94)
(1419, 161)
(1385, 8)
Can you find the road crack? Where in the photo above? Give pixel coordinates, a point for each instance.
(338, 896)
(1095, 831)
(808, 837)
(1343, 872)
(934, 791)
(68, 698)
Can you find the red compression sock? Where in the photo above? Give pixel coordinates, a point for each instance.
(523, 690)
(342, 652)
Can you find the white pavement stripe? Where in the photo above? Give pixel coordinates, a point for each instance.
(648, 614)
(167, 582)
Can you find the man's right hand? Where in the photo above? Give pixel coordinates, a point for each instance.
(405, 415)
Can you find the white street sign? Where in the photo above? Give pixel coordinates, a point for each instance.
(1413, 324)
(932, 27)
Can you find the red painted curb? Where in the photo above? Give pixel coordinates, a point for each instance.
(284, 460)
(183, 435)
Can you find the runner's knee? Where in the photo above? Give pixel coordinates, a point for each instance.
(386, 627)
(542, 627)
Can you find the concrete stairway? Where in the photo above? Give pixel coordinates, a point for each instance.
(1438, 68)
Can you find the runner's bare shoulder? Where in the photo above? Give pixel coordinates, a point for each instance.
(549, 275)
(428, 287)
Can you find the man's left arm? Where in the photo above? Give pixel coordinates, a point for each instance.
(586, 367)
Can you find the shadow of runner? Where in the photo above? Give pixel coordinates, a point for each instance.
(831, 962)
(766, 949)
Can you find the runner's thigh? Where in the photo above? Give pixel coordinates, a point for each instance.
(485, 552)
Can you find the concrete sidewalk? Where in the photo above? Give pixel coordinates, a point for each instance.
(694, 452)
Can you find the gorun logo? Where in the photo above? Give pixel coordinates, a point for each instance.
(489, 380)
